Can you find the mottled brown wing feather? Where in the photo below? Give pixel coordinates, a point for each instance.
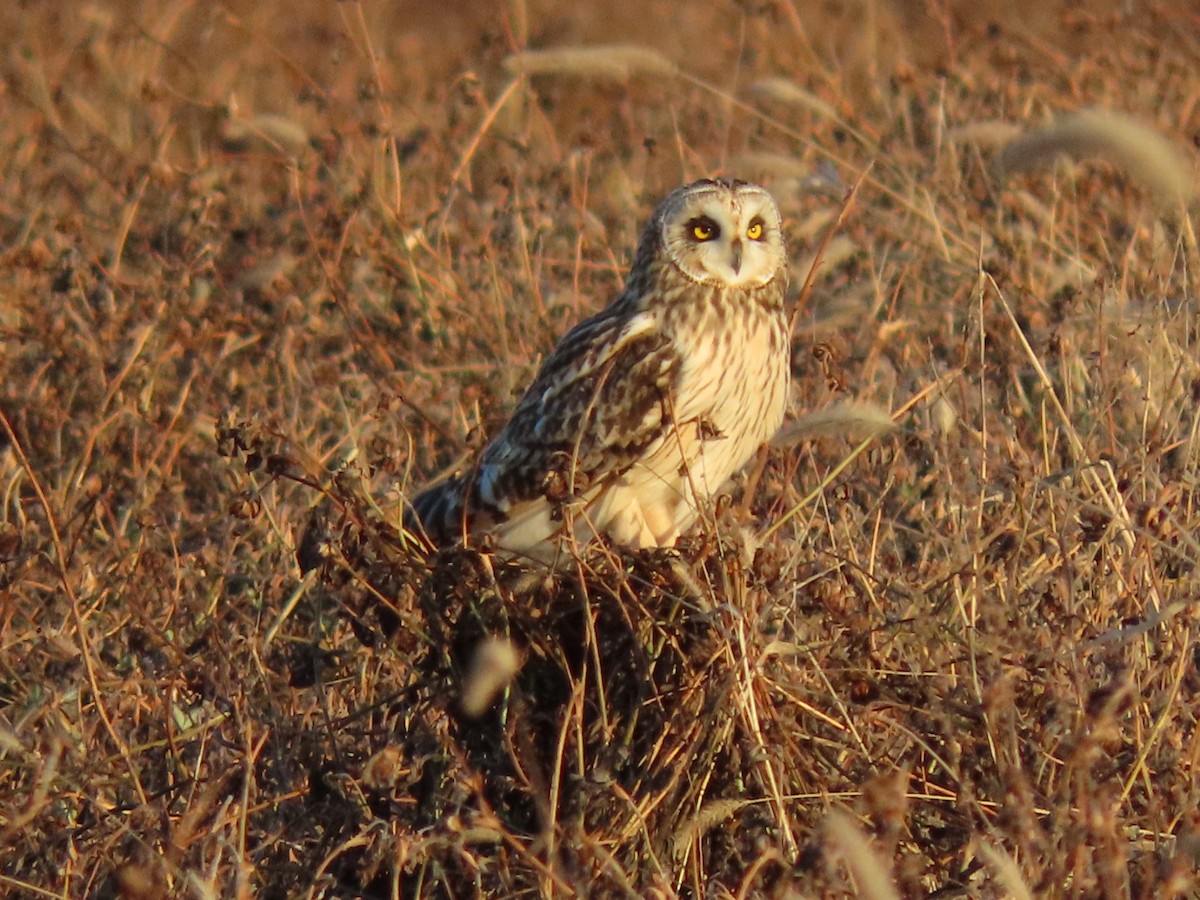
(598, 401)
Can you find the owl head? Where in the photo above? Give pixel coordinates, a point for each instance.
(721, 233)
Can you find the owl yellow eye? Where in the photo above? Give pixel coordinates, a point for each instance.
(703, 229)
(755, 231)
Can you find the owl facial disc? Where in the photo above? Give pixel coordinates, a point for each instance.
(724, 233)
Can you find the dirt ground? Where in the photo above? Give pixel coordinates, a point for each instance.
(265, 267)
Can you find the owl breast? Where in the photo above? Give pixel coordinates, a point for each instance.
(730, 398)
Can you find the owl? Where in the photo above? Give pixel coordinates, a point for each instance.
(642, 412)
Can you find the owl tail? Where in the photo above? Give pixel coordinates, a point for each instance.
(437, 513)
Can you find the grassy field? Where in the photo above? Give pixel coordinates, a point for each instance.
(265, 266)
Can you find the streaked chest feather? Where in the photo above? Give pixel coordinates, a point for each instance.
(735, 374)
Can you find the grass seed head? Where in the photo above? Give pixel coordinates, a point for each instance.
(1146, 156)
(493, 666)
(614, 62)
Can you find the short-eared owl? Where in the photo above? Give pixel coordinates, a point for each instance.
(643, 411)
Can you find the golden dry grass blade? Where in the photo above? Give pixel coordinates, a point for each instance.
(816, 492)
(86, 647)
(29, 82)
(969, 599)
(848, 203)
(1105, 487)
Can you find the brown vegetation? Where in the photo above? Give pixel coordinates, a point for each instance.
(265, 266)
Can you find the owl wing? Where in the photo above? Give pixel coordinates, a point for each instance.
(601, 398)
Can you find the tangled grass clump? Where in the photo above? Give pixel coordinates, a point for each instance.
(261, 274)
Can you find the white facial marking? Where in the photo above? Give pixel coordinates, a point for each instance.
(725, 234)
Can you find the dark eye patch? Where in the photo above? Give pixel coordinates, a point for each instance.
(702, 228)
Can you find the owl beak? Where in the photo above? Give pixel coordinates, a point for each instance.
(736, 261)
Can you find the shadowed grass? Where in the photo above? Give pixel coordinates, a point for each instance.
(263, 274)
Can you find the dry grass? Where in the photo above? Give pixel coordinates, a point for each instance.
(258, 264)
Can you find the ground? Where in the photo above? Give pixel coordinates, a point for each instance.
(265, 267)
